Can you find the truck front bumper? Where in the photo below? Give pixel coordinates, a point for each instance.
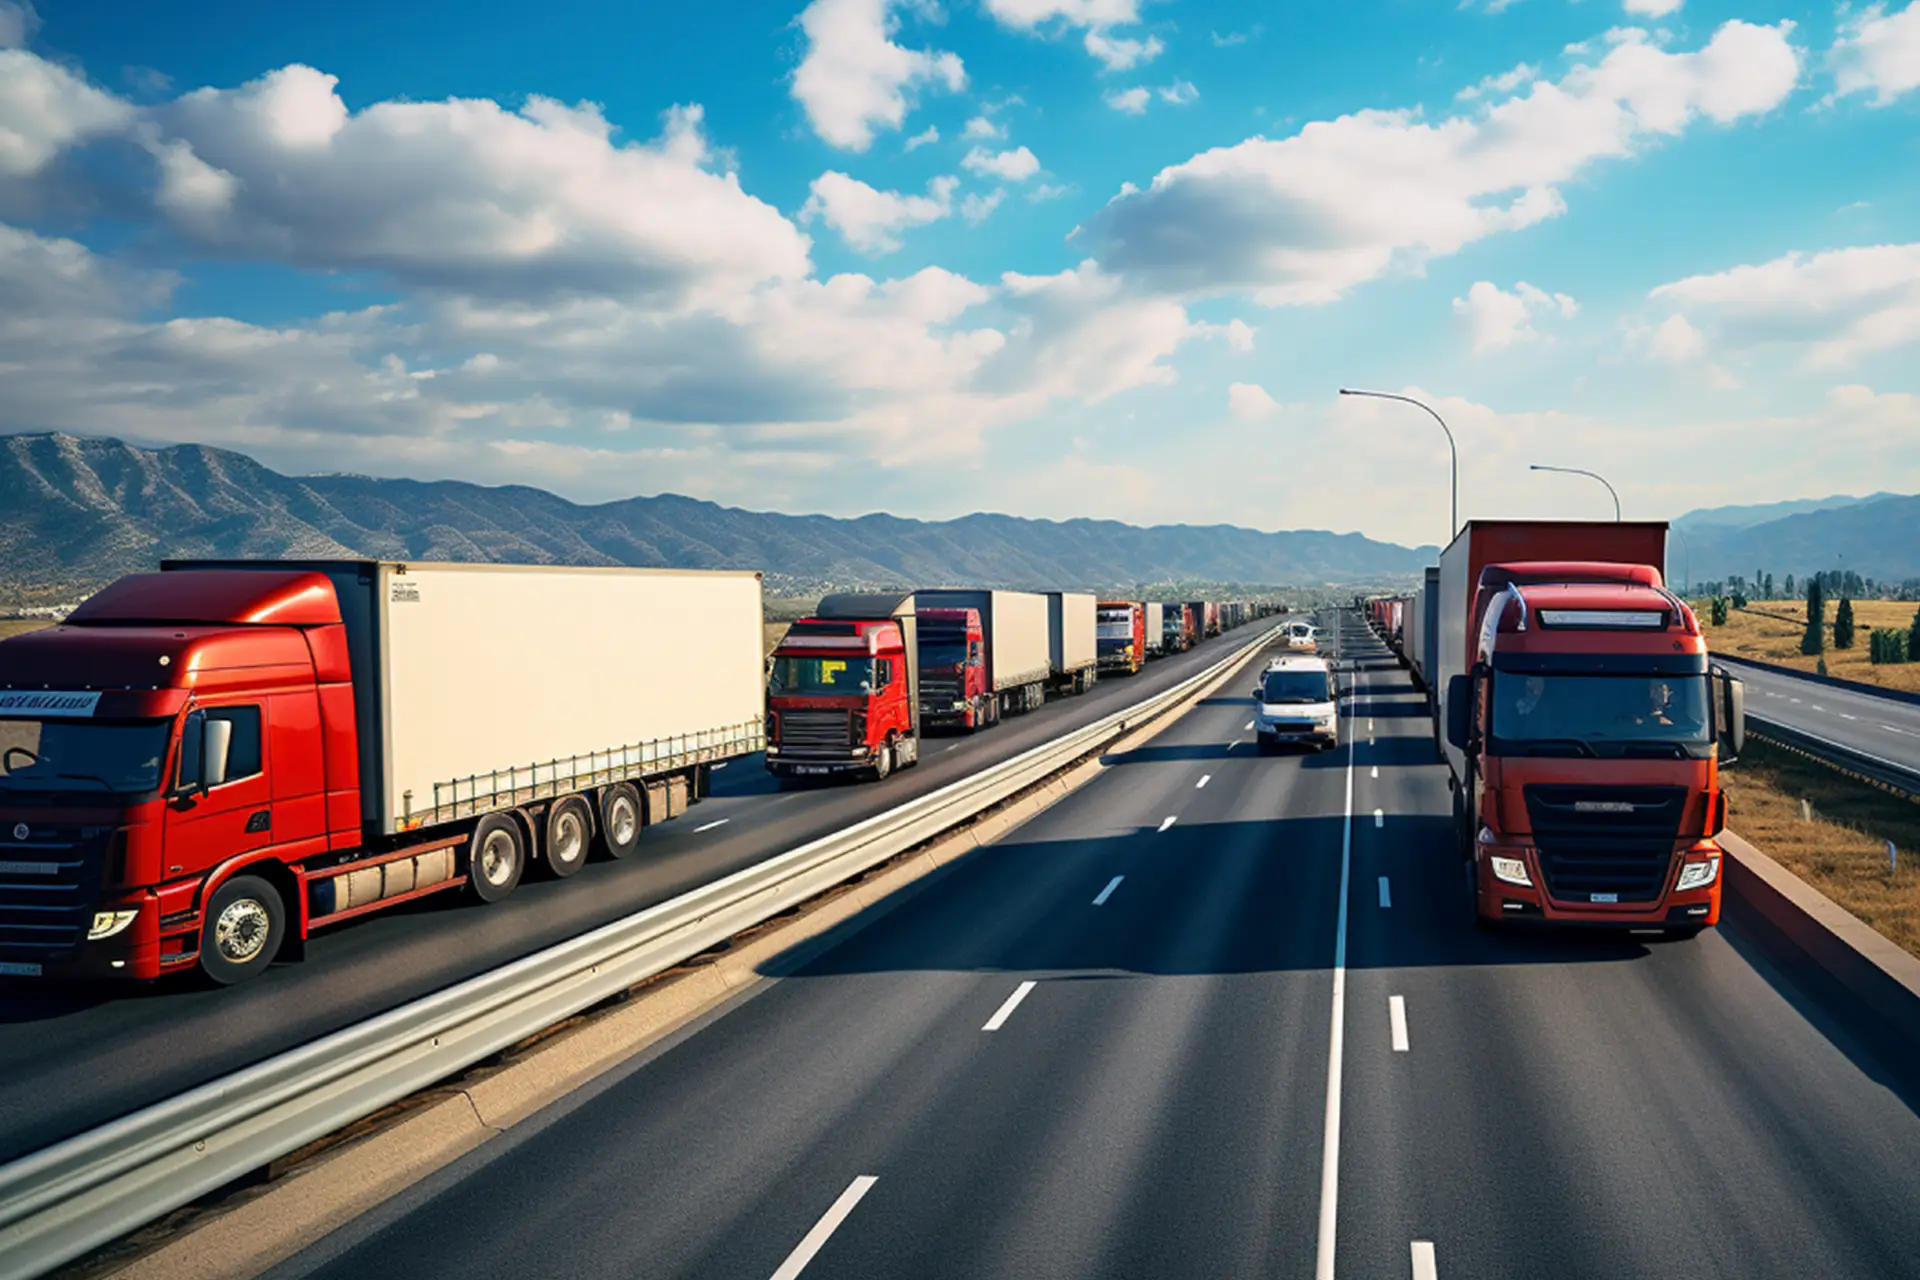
(131, 952)
(1499, 897)
(787, 765)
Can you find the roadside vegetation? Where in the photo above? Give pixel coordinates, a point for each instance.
(15, 626)
(1776, 630)
(1842, 850)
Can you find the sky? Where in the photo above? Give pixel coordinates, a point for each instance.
(1056, 258)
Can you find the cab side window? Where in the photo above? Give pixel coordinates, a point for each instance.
(882, 673)
(243, 749)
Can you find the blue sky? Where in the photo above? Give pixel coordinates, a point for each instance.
(1053, 257)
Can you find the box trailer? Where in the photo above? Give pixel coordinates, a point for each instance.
(1072, 655)
(1156, 628)
(1018, 644)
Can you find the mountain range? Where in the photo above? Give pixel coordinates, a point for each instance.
(77, 512)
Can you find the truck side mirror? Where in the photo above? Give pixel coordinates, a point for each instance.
(1256, 693)
(1460, 711)
(215, 742)
(1734, 733)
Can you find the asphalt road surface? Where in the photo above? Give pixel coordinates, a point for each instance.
(1215, 1014)
(1880, 726)
(71, 1058)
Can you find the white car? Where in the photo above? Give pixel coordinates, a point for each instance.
(1303, 637)
(1299, 701)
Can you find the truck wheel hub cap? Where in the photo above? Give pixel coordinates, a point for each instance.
(623, 824)
(241, 930)
(567, 837)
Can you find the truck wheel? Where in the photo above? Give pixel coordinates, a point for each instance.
(241, 930)
(496, 857)
(883, 763)
(568, 835)
(620, 820)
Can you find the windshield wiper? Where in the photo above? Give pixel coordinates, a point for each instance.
(1558, 747)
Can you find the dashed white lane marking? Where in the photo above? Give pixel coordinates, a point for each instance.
(1845, 716)
(1794, 701)
(1168, 821)
(1379, 817)
(954, 747)
(1814, 706)
(822, 1230)
(1890, 729)
(1424, 1267)
(1374, 772)
(999, 1019)
(711, 825)
(1249, 726)
(1107, 892)
(1397, 1021)
(1205, 778)
(1386, 894)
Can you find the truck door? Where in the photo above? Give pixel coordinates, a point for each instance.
(232, 812)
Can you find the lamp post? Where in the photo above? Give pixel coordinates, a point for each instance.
(1454, 515)
(1687, 547)
(1591, 475)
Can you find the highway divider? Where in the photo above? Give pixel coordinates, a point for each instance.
(60, 1202)
(1886, 774)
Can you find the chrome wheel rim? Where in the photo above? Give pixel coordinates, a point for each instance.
(240, 934)
(569, 837)
(624, 819)
(497, 857)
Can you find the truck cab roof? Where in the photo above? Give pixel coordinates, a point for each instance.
(1572, 617)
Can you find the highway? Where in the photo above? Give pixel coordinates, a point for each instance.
(1884, 727)
(1214, 1014)
(71, 1058)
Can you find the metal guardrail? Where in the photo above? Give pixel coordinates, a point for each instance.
(1886, 774)
(61, 1201)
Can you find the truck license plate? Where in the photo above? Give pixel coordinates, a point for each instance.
(1604, 897)
(10, 969)
(810, 768)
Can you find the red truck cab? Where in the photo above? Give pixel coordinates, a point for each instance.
(842, 691)
(147, 765)
(953, 671)
(1595, 728)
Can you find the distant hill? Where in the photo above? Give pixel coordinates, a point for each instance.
(1762, 513)
(1875, 537)
(75, 513)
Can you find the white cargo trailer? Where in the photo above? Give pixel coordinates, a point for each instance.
(1156, 628)
(1072, 657)
(1018, 646)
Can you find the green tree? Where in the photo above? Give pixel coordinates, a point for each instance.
(1789, 584)
(1718, 611)
(1843, 624)
(1815, 639)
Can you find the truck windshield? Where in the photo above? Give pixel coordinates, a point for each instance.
(1589, 709)
(1294, 686)
(943, 651)
(820, 677)
(59, 755)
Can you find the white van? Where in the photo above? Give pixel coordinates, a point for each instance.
(1298, 702)
(1303, 637)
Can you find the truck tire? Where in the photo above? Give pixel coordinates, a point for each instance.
(883, 763)
(567, 835)
(620, 820)
(241, 930)
(496, 857)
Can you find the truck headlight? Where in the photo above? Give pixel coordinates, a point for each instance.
(959, 706)
(108, 923)
(1697, 875)
(1511, 870)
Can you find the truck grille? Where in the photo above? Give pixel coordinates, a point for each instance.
(1605, 840)
(49, 884)
(815, 729)
(939, 691)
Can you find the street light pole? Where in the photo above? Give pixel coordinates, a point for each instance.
(1591, 475)
(1453, 526)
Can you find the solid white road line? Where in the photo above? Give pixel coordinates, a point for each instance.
(1424, 1267)
(1397, 1020)
(1205, 778)
(803, 1252)
(1386, 894)
(999, 1019)
(1169, 821)
(711, 825)
(1379, 818)
(1336, 1049)
(1107, 892)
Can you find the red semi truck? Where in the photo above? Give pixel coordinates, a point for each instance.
(953, 671)
(843, 692)
(202, 766)
(1122, 636)
(1584, 728)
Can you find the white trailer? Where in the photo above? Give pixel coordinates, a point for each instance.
(1156, 628)
(1018, 646)
(1072, 657)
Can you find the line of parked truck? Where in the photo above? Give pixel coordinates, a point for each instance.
(1581, 721)
(199, 767)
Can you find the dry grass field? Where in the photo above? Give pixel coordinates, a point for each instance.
(770, 633)
(1770, 632)
(1842, 852)
(14, 626)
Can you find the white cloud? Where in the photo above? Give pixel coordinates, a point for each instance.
(982, 129)
(871, 220)
(1016, 165)
(1502, 84)
(1837, 307)
(1676, 341)
(855, 79)
(1050, 191)
(1240, 336)
(18, 22)
(1498, 319)
(1878, 54)
(1230, 39)
(1653, 8)
(46, 109)
(977, 208)
(1117, 53)
(1179, 93)
(1131, 101)
(1304, 219)
(921, 139)
(1248, 401)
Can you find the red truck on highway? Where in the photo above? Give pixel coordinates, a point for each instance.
(1584, 728)
(202, 766)
(1122, 636)
(843, 691)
